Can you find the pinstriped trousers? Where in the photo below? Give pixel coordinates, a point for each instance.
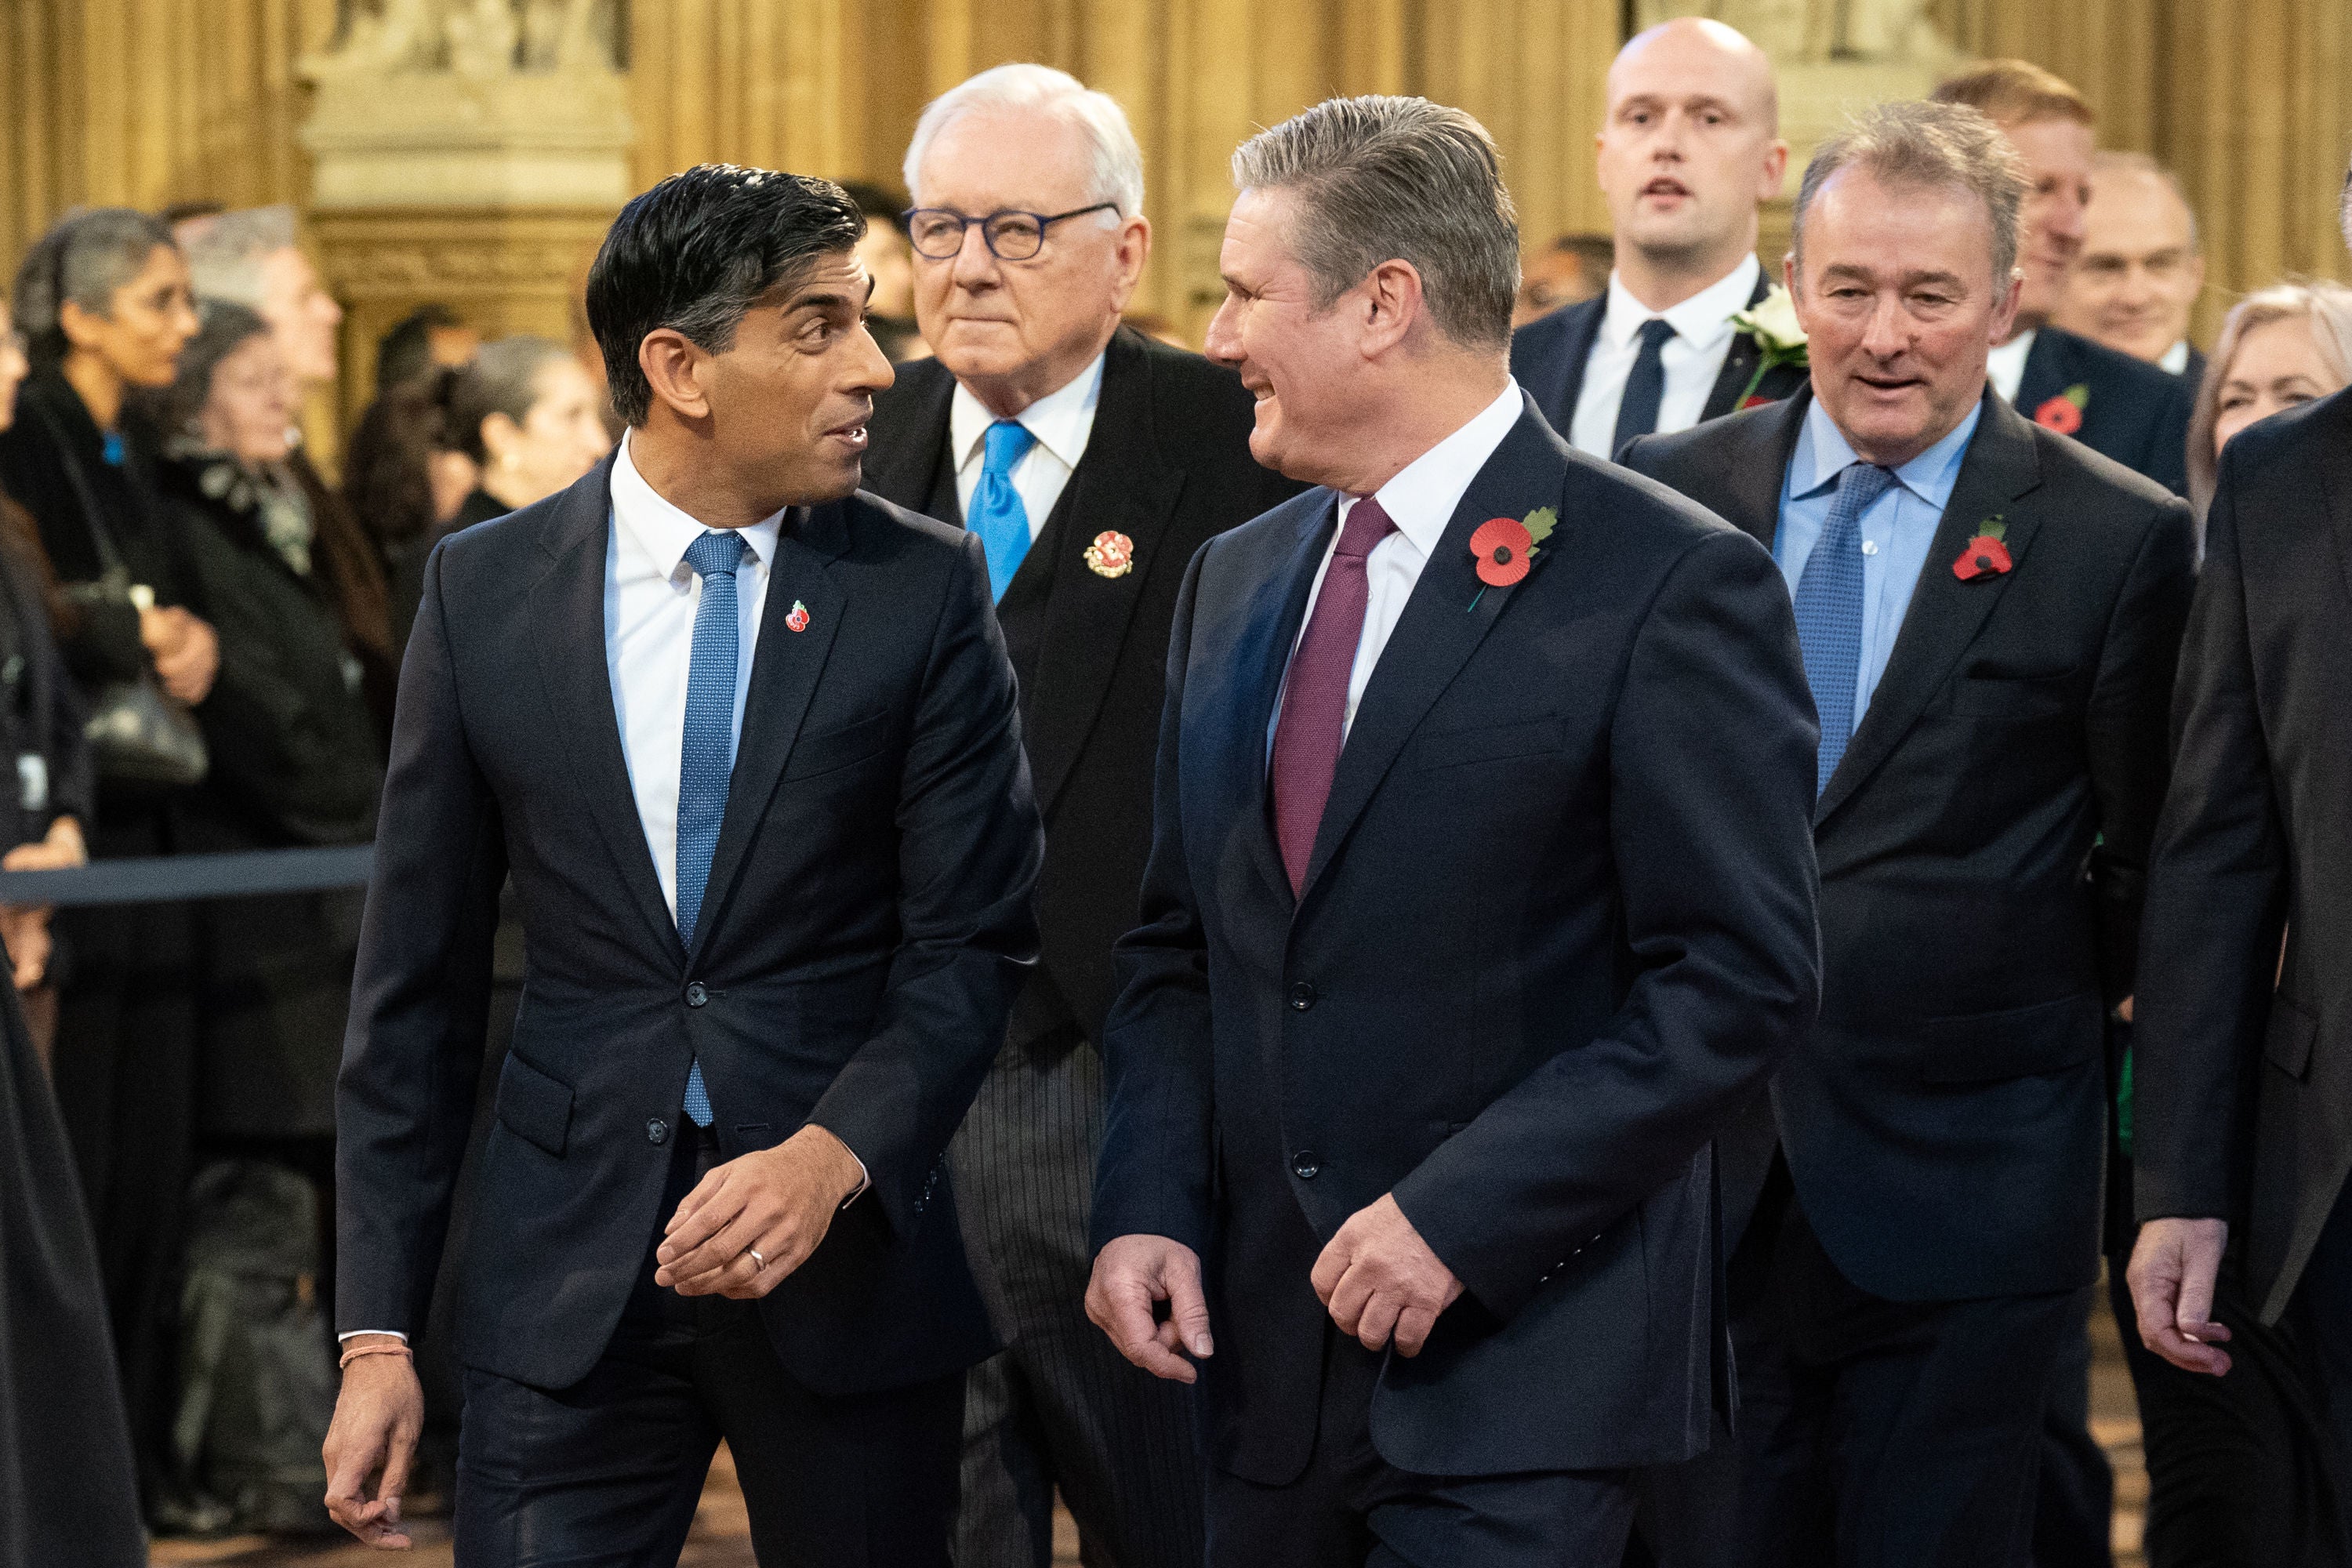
(1058, 1409)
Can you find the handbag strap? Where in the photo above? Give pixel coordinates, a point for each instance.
(101, 536)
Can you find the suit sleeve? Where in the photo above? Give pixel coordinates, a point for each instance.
(1711, 766)
(2129, 714)
(420, 996)
(2216, 908)
(1153, 1176)
(969, 848)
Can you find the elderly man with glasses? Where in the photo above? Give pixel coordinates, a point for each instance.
(1092, 462)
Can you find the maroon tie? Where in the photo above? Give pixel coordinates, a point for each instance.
(1315, 701)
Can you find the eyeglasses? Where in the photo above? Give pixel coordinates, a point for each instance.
(937, 234)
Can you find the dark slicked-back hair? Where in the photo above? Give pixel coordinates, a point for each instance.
(698, 251)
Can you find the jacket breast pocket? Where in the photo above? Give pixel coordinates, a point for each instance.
(2287, 1040)
(1985, 691)
(535, 1106)
(1489, 743)
(843, 746)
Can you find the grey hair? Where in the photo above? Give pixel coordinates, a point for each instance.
(2141, 163)
(86, 257)
(2327, 306)
(226, 252)
(1116, 174)
(1378, 179)
(1919, 143)
(503, 379)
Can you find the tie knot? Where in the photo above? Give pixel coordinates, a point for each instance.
(717, 552)
(1009, 441)
(1368, 524)
(1655, 331)
(1863, 483)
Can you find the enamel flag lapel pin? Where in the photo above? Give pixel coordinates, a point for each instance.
(799, 619)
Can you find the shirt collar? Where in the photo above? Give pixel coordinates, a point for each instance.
(2005, 366)
(1061, 420)
(664, 532)
(1703, 320)
(1420, 499)
(1824, 453)
(2176, 358)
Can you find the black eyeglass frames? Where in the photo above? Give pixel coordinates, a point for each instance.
(937, 233)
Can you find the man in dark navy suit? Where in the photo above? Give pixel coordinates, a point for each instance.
(1990, 615)
(2119, 406)
(747, 742)
(1480, 890)
(1690, 145)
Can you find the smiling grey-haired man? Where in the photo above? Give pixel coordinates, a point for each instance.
(1092, 462)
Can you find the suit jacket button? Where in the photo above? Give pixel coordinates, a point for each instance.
(696, 995)
(1306, 1165)
(1302, 997)
(657, 1131)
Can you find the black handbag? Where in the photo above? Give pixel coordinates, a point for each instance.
(138, 732)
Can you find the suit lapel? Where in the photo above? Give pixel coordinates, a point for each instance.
(2335, 482)
(1583, 323)
(1120, 486)
(1759, 465)
(1945, 614)
(2045, 370)
(1739, 364)
(567, 620)
(913, 469)
(1262, 656)
(1445, 621)
(784, 670)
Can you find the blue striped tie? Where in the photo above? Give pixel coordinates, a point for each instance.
(997, 514)
(706, 759)
(1829, 612)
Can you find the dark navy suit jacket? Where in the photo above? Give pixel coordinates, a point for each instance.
(867, 920)
(2134, 412)
(1558, 922)
(1983, 849)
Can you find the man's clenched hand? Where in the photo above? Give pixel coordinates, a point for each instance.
(1380, 1281)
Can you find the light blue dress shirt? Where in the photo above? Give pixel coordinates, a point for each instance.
(1897, 531)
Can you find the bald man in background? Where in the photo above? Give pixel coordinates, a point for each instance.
(1690, 148)
(2141, 270)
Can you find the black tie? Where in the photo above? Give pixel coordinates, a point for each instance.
(1637, 412)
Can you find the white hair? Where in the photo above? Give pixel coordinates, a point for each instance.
(1118, 172)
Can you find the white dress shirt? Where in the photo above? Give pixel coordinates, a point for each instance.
(1420, 500)
(1061, 420)
(1692, 358)
(2176, 358)
(2005, 366)
(651, 595)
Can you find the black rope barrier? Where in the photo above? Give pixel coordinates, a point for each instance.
(169, 878)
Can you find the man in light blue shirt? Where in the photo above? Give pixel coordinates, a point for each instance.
(1897, 529)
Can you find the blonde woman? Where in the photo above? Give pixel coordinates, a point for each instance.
(2282, 346)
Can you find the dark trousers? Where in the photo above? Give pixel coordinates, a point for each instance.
(1351, 1509)
(607, 1473)
(2248, 1471)
(1059, 1407)
(1879, 1433)
(2074, 1497)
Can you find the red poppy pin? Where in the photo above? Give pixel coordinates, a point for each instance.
(799, 619)
(1112, 554)
(2063, 413)
(1507, 546)
(1754, 400)
(1986, 555)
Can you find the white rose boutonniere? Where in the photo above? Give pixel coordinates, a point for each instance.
(1771, 322)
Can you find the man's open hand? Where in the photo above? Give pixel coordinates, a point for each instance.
(750, 1222)
(1380, 1281)
(1132, 1275)
(378, 1418)
(2172, 1276)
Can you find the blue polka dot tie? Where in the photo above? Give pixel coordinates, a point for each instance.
(997, 514)
(1829, 612)
(708, 758)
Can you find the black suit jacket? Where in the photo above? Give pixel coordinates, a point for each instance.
(1549, 355)
(867, 920)
(2243, 1075)
(1168, 465)
(1559, 920)
(2134, 412)
(1982, 852)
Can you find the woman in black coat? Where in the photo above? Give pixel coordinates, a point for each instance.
(102, 302)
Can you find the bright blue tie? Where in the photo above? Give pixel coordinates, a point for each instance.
(1829, 612)
(997, 514)
(708, 757)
